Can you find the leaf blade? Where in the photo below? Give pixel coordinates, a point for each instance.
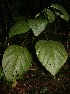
(37, 25)
(50, 56)
(15, 64)
(49, 15)
(19, 28)
(65, 15)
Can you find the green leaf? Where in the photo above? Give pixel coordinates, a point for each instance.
(49, 15)
(1, 73)
(16, 61)
(52, 55)
(19, 28)
(65, 15)
(37, 25)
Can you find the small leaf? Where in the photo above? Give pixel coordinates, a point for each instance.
(37, 25)
(65, 15)
(49, 15)
(19, 28)
(43, 90)
(16, 61)
(52, 55)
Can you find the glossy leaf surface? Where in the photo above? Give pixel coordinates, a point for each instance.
(51, 54)
(16, 61)
(37, 25)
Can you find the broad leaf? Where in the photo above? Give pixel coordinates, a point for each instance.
(51, 54)
(19, 28)
(65, 15)
(37, 25)
(49, 15)
(16, 61)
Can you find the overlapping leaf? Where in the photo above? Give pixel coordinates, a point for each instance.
(19, 28)
(49, 15)
(65, 15)
(37, 25)
(51, 54)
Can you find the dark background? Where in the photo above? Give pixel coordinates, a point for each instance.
(9, 8)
